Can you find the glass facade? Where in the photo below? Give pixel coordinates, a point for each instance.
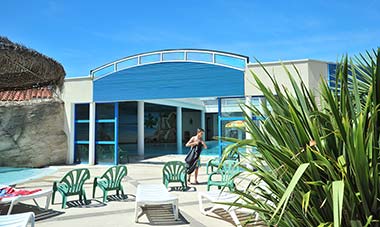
(116, 128)
(81, 132)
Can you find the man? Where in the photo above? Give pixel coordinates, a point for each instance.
(197, 141)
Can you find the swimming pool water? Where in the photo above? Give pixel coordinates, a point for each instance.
(170, 148)
(12, 176)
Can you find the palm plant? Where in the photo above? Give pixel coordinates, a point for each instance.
(318, 162)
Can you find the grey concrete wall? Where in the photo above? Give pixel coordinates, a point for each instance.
(32, 134)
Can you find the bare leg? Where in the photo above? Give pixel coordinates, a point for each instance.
(196, 175)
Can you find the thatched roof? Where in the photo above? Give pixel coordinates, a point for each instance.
(24, 68)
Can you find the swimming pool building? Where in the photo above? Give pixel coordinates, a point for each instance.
(150, 104)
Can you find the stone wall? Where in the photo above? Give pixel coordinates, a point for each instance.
(32, 134)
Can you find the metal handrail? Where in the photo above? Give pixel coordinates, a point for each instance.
(161, 53)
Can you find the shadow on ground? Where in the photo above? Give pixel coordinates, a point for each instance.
(40, 214)
(162, 215)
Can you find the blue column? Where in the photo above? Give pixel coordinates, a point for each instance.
(220, 126)
(116, 131)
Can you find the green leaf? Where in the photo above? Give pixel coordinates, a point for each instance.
(338, 194)
(305, 201)
(289, 190)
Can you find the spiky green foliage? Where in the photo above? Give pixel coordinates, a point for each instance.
(319, 161)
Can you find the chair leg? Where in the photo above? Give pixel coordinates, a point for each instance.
(104, 196)
(93, 190)
(53, 197)
(84, 196)
(64, 198)
(48, 198)
(208, 187)
(122, 191)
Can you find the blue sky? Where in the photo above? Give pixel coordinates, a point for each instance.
(85, 34)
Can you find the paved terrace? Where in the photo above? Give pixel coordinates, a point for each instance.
(120, 211)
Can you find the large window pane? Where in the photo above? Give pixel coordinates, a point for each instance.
(150, 58)
(82, 131)
(232, 107)
(126, 64)
(199, 56)
(233, 129)
(128, 127)
(105, 111)
(105, 153)
(81, 153)
(173, 56)
(160, 126)
(231, 61)
(105, 132)
(82, 112)
(123, 155)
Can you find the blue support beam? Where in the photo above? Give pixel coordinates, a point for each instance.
(220, 126)
(116, 131)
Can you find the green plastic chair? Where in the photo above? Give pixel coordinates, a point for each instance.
(175, 171)
(215, 162)
(110, 181)
(226, 173)
(71, 184)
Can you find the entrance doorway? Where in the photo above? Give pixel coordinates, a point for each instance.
(211, 125)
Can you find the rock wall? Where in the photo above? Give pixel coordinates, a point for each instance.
(32, 134)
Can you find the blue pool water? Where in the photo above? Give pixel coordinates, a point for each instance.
(12, 176)
(151, 150)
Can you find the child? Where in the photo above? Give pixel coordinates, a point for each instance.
(197, 141)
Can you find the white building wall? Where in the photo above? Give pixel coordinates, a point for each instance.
(310, 72)
(75, 90)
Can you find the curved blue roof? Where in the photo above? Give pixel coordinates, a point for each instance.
(221, 58)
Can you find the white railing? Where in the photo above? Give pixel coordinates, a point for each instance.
(229, 60)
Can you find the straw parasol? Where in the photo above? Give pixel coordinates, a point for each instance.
(23, 68)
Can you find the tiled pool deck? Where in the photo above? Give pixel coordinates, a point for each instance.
(120, 212)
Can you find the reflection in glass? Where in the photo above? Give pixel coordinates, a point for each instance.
(233, 129)
(232, 107)
(128, 127)
(105, 111)
(105, 132)
(82, 111)
(160, 126)
(82, 131)
(81, 153)
(104, 153)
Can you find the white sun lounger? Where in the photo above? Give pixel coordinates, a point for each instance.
(154, 194)
(217, 197)
(16, 199)
(17, 220)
